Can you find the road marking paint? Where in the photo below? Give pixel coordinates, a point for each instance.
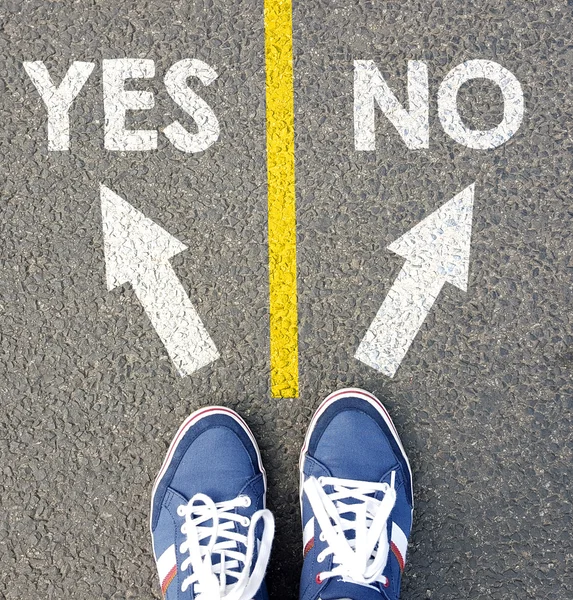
(413, 125)
(281, 199)
(513, 104)
(437, 250)
(58, 100)
(137, 251)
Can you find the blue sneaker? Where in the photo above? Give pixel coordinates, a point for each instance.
(356, 501)
(211, 532)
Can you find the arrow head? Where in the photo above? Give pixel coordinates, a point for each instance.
(133, 244)
(441, 242)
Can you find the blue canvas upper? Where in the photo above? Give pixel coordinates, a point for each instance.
(351, 440)
(215, 457)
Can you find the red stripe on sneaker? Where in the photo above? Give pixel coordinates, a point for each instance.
(309, 546)
(398, 555)
(168, 579)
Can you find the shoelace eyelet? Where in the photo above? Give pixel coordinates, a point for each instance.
(318, 578)
(387, 583)
(246, 501)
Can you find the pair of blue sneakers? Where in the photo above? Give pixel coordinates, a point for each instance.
(212, 533)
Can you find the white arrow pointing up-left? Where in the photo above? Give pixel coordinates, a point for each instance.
(137, 251)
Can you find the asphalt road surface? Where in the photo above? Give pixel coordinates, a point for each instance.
(483, 399)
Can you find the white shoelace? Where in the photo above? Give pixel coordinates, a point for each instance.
(210, 580)
(362, 559)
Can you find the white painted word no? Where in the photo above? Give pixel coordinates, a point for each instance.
(370, 89)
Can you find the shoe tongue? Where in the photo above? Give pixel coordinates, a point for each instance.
(344, 590)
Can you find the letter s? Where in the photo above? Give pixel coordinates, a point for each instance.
(189, 101)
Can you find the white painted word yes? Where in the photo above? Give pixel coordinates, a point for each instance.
(117, 101)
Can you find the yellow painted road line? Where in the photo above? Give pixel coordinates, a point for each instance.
(281, 199)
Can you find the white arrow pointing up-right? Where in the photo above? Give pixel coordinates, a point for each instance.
(437, 250)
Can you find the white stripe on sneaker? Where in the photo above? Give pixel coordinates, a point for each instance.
(308, 536)
(399, 545)
(167, 567)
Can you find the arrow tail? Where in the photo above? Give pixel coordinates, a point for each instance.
(175, 319)
(399, 319)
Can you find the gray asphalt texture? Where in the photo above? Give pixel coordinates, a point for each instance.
(484, 397)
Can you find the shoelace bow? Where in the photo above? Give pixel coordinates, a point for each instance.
(211, 580)
(360, 559)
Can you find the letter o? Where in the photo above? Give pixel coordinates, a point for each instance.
(513, 104)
